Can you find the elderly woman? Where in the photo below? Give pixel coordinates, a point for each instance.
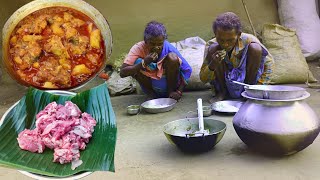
(158, 66)
(234, 56)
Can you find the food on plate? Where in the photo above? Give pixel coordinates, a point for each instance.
(218, 106)
(65, 129)
(56, 48)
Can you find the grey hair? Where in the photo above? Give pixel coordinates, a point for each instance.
(154, 29)
(227, 21)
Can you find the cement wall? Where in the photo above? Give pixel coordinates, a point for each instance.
(182, 18)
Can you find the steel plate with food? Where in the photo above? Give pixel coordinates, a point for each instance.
(227, 106)
(159, 105)
(56, 44)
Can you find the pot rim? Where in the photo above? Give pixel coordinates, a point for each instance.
(194, 119)
(285, 88)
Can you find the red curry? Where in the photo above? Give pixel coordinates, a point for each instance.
(56, 48)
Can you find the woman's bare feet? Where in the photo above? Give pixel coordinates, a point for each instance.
(175, 95)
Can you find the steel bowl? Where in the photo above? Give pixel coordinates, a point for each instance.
(159, 105)
(180, 133)
(274, 91)
(33, 6)
(206, 111)
(133, 109)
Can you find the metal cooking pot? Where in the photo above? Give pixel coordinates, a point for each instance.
(277, 127)
(33, 6)
(181, 133)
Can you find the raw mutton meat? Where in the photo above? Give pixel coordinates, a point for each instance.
(62, 128)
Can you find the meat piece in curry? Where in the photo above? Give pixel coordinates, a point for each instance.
(56, 48)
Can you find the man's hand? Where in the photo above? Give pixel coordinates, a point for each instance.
(151, 57)
(217, 58)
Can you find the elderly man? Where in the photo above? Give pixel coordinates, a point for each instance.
(234, 56)
(158, 66)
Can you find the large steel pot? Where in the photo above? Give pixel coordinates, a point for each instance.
(33, 6)
(278, 127)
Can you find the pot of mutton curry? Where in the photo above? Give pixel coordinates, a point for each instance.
(56, 44)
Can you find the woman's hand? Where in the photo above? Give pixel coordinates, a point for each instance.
(216, 59)
(151, 57)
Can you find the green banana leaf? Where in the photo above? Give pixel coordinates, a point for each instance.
(99, 153)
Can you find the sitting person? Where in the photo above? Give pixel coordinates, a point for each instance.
(234, 56)
(158, 66)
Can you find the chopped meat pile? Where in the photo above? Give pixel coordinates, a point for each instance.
(62, 128)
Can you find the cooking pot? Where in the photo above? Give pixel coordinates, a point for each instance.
(33, 6)
(276, 127)
(182, 134)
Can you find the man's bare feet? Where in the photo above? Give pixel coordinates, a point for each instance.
(218, 97)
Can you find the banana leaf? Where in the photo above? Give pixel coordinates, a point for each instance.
(99, 153)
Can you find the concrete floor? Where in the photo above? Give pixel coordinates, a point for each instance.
(143, 152)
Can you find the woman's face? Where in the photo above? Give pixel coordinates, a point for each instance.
(155, 44)
(227, 39)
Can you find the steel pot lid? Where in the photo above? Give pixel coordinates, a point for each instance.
(304, 96)
(276, 88)
(275, 92)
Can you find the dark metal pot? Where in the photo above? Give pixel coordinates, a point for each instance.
(182, 134)
(277, 127)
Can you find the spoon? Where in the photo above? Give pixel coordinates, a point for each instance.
(243, 84)
(265, 93)
(201, 131)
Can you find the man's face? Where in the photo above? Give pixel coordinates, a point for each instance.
(155, 44)
(227, 39)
